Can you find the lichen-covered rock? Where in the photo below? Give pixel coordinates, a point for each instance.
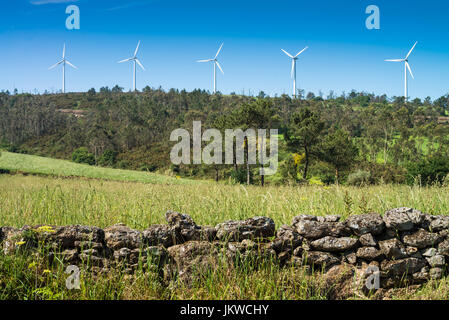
(287, 239)
(443, 247)
(320, 259)
(329, 218)
(436, 261)
(436, 273)
(314, 230)
(398, 268)
(192, 258)
(393, 249)
(121, 236)
(430, 252)
(421, 239)
(403, 219)
(159, 235)
(67, 236)
(367, 240)
(439, 223)
(366, 223)
(369, 253)
(332, 244)
(253, 228)
(183, 226)
(304, 217)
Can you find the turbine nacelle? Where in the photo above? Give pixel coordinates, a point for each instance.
(64, 61)
(407, 67)
(136, 61)
(293, 71)
(216, 64)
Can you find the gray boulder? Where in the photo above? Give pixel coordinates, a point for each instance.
(403, 219)
(120, 236)
(369, 253)
(401, 267)
(332, 244)
(253, 228)
(421, 239)
(393, 249)
(366, 223)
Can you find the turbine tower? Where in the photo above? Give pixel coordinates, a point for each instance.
(216, 64)
(135, 61)
(406, 66)
(64, 61)
(293, 72)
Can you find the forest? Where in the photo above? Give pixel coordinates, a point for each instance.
(356, 138)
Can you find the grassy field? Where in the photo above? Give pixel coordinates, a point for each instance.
(37, 200)
(31, 200)
(61, 168)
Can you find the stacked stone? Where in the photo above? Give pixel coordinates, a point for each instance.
(404, 243)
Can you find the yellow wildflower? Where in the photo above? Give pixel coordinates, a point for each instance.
(47, 229)
(20, 243)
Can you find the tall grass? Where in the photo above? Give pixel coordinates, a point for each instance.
(43, 200)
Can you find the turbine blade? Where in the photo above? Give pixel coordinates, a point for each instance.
(219, 67)
(409, 70)
(63, 52)
(411, 50)
(208, 60)
(218, 52)
(55, 65)
(70, 64)
(129, 59)
(138, 62)
(288, 54)
(137, 49)
(395, 60)
(302, 51)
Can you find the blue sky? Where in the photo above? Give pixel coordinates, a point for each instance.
(343, 54)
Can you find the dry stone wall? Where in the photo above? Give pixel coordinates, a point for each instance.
(404, 243)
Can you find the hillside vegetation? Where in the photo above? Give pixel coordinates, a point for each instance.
(355, 138)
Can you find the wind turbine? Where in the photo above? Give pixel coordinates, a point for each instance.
(216, 64)
(64, 61)
(293, 72)
(407, 66)
(135, 61)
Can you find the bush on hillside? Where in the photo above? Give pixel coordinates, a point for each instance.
(108, 158)
(430, 170)
(82, 155)
(359, 178)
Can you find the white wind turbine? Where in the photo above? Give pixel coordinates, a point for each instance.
(407, 66)
(216, 64)
(293, 72)
(64, 61)
(135, 60)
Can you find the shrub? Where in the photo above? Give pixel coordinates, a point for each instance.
(82, 155)
(239, 176)
(358, 178)
(123, 164)
(430, 170)
(108, 158)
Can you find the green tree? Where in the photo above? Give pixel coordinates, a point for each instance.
(303, 134)
(339, 150)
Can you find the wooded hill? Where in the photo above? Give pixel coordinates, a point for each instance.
(374, 138)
